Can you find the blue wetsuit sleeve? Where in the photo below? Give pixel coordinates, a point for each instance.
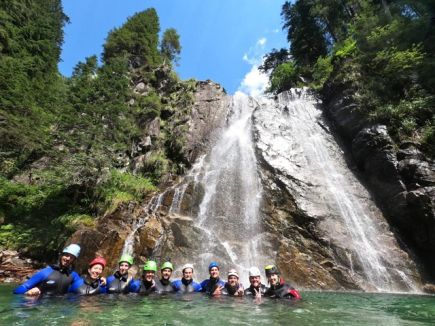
(103, 288)
(36, 279)
(135, 286)
(110, 280)
(221, 283)
(203, 284)
(176, 285)
(76, 283)
(197, 287)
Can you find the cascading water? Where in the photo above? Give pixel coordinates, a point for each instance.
(229, 212)
(324, 187)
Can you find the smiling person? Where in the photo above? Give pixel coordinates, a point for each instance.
(278, 288)
(147, 285)
(256, 288)
(92, 283)
(120, 282)
(54, 279)
(186, 284)
(164, 284)
(233, 287)
(213, 285)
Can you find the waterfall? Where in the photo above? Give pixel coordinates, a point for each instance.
(229, 213)
(325, 188)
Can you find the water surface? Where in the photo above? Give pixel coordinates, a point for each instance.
(324, 308)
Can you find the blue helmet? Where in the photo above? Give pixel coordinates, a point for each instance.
(72, 249)
(213, 264)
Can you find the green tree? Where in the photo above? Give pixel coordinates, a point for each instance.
(170, 45)
(137, 40)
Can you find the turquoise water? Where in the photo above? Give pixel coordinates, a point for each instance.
(316, 308)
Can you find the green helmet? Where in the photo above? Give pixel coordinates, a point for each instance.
(150, 265)
(167, 264)
(270, 270)
(126, 259)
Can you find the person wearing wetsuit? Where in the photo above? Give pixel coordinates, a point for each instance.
(256, 289)
(186, 284)
(147, 285)
(213, 285)
(92, 283)
(54, 279)
(278, 288)
(120, 282)
(233, 287)
(164, 284)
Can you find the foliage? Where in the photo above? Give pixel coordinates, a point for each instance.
(123, 187)
(170, 45)
(137, 40)
(283, 77)
(383, 50)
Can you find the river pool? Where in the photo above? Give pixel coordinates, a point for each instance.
(325, 308)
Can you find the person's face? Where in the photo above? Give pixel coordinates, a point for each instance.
(273, 279)
(149, 276)
(233, 280)
(188, 273)
(95, 271)
(166, 273)
(66, 260)
(123, 268)
(254, 280)
(214, 272)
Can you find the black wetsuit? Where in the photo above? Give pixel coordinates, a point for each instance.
(186, 286)
(90, 287)
(251, 290)
(52, 280)
(283, 290)
(147, 287)
(164, 286)
(118, 283)
(230, 290)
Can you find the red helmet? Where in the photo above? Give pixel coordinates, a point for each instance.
(98, 260)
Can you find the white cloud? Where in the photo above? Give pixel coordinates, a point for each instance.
(261, 42)
(254, 83)
(255, 53)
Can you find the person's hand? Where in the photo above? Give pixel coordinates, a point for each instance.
(33, 292)
(257, 296)
(217, 291)
(240, 291)
(103, 281)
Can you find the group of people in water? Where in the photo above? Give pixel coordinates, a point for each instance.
(61, 279)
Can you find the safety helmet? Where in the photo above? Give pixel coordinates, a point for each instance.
(233, 272)
(167, 264)
(270, 270)
(126, 259)
(150, 265)
(187, 266)
(254, 271)
(72, 249)
(98, 260)
(213, 264)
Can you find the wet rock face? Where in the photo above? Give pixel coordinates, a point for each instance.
(400, 177)
(327, 231)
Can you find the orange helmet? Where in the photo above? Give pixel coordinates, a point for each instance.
(98, 260)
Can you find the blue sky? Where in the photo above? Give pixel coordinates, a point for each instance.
(222, 40)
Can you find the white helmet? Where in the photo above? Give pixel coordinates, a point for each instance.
(187, 266)
(254, 271)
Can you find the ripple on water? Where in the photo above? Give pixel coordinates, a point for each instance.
(317, 308)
